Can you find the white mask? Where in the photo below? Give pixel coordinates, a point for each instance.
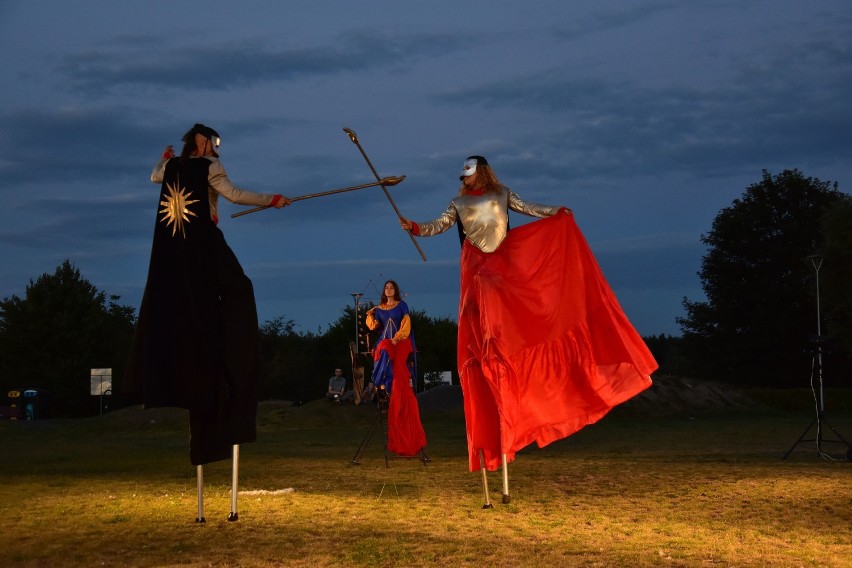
(469, 168)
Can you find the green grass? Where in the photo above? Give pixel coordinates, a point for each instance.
(632, 490)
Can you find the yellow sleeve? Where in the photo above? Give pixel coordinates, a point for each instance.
(371, 322)
(404, 329)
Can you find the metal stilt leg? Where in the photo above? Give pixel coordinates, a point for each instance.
(199, 474)
(487, 504)
(235, 469)
(506, 497)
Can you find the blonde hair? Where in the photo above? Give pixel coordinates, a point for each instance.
(486, 179)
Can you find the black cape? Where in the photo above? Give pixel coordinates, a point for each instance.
(196, 344)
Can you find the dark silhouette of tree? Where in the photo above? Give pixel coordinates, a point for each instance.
(668, 352)
(436, 340)
(759, 315)
(64, 326)
(61, 329)
(836, 276)
(297, 366)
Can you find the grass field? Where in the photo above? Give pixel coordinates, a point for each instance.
(696, 489)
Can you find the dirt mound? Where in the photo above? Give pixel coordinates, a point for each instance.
(444, 397)
(674, 395)
(668, 395)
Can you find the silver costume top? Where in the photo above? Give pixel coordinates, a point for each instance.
(217, 183)
(484, 218)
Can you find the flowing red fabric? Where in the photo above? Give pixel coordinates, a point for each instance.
(405, 431)
(544, 347)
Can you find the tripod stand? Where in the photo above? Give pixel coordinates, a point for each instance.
(820, 420)
(819, 397)
(380, 422)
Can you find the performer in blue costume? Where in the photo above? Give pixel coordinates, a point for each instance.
(392, 375)
(391, 318)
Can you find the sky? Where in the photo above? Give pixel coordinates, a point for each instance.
(646, 117)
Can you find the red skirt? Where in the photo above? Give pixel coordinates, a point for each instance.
(406, 436)
(544, 347)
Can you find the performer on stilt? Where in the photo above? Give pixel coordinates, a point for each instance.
(543, 346)
(392, 375)
(196, 344)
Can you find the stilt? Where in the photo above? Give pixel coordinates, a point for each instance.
(506, 497)
(487, 504)
(235, 469)
(199, 474)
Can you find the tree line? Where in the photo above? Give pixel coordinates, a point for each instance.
(63, 327)
(756, 326)
(764, 321)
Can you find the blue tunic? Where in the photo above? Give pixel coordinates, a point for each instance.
(389, 323)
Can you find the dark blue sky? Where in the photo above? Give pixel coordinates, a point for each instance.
(645, 117)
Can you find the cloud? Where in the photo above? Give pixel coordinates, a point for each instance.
(646, 118)
(782, 112)
(44, 145)
(245, 63)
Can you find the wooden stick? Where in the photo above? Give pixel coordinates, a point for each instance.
(354, 138)
(390, 180)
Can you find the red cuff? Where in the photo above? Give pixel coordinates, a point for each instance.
(166, 155)
(275, 199)
(415, 229)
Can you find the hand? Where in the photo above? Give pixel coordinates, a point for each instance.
(169, 152)
(566, 210)
(405, 224)
(280, 201)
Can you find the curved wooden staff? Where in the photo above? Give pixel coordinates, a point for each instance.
(354, 138)
(390, 180)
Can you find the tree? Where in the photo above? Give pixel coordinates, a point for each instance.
(297, 366)
(436, 340)
(276, 337)
(759, 315)
(836, 275)
(668, 352)
(59, 331)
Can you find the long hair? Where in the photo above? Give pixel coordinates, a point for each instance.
(396, 296)
(486, 179)
(189, 145)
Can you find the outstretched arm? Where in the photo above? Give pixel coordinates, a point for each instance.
(530, 208)
(434, 227)
(218, 180)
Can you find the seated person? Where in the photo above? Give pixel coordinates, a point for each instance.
(337, 387)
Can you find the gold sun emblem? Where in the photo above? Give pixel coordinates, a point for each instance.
(175, 208)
